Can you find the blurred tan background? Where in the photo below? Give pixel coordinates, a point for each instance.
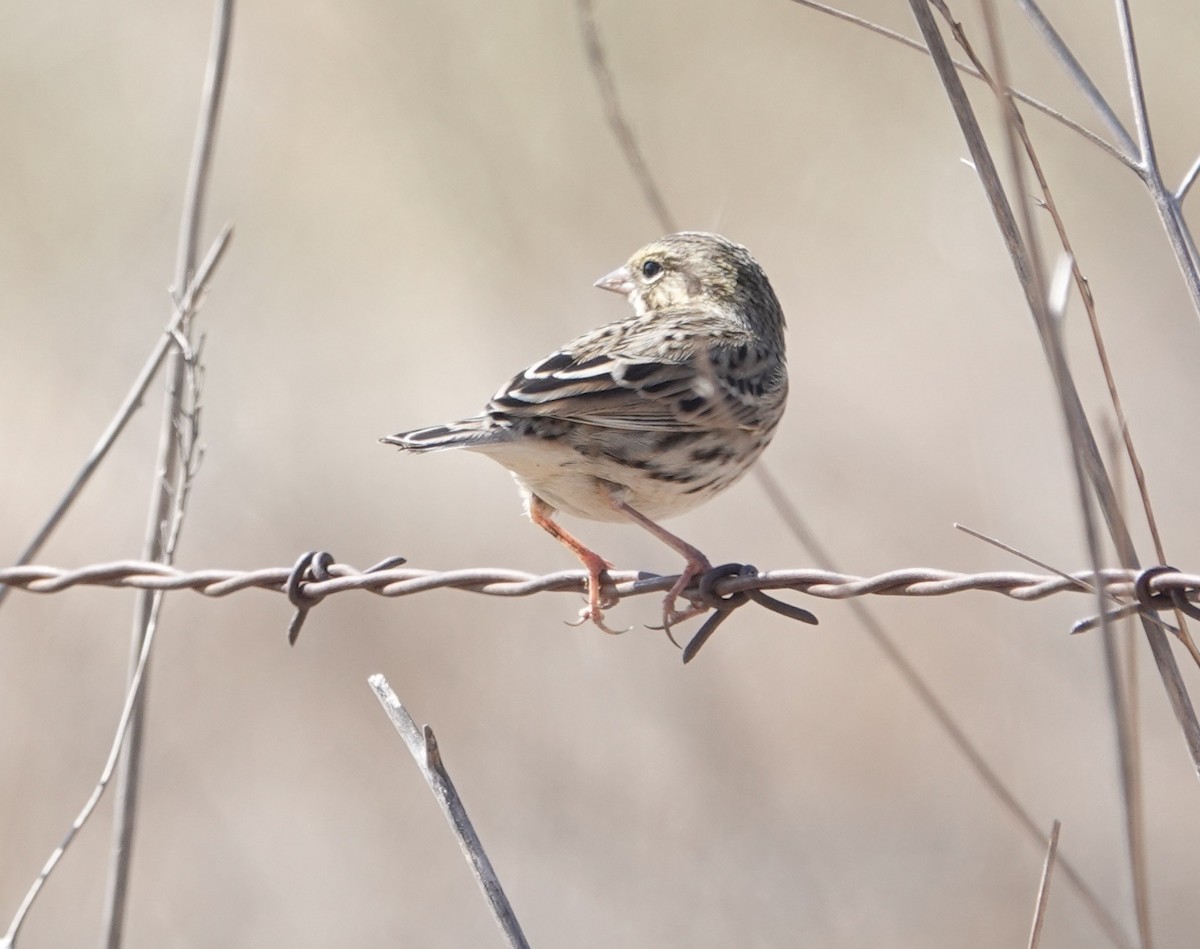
(422, 195)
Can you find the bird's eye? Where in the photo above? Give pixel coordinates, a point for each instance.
(651, 269)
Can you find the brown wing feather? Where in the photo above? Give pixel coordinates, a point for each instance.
(610, 379)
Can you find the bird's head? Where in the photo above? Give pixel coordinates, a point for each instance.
(692, 268)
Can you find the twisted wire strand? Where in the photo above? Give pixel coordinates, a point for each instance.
(393, 581)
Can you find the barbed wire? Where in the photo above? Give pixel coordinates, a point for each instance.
(317, 575)
(393, 578)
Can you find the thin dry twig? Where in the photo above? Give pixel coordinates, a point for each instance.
(14, 926)
(1047, 110)
(1124, 607)
(944, 718)
(1121, 694)
(1189, 179)
(892, 651)
(423, 746)
(131, 403)
(1081, 283)
(1070, 63)
(174, 470)
(1083, 441)
(1088, 467)
(1165, 201)
(1124, 685)
(189, 459)
(1043, 897)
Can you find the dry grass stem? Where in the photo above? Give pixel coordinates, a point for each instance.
(1016, 124)
(1070, 63)
(1084, 449)
(1023, 246)
(945, 719)
(183, 311)
(1043, 897)
(178, 455)
(1124, 607)
(969, 70)
(423, 747)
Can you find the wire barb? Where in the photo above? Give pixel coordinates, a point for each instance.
(1168, 599)
(724, 605)
(312, 566)
(1149, 597)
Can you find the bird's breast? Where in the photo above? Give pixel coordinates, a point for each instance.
(659, 475)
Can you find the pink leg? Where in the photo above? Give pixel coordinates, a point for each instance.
(542, 514)
(696, 564)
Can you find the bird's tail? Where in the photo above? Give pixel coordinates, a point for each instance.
(471, 433)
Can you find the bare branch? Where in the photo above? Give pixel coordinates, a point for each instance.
(1083, 442)
(1169, 213)
(1133, 76)
(1129, 160)
(1066, 58)
(1017, 126)
(1088, 467)
(184, 310)
(173, 479)
(423, 747)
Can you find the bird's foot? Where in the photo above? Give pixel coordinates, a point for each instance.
(600, 597)
(696, 566)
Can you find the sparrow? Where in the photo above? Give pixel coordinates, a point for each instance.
(645, 418)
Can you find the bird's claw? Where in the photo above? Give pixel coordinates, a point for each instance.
(597, 617)
(600, 597)
(671, 616)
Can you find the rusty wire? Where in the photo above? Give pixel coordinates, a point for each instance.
(316, 576)
(722, 589)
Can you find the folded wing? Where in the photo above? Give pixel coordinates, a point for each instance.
(684, 392)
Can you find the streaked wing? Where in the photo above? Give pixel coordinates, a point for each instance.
(684, 392)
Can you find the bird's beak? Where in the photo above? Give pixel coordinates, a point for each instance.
(619, 281)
